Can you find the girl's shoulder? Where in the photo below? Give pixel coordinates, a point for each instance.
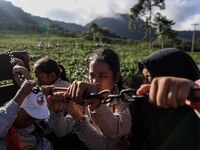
(61, 83)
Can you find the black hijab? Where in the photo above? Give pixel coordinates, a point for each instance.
(156, 128)
(170, 62)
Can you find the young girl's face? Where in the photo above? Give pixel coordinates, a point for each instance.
(147, 77)
(101, 75)
(45, 79)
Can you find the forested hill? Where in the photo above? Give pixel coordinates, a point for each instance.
(119, 25)
(15, 19)
(12, 17)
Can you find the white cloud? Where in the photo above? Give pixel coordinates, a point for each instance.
(77, 11)
(183, 12)
(88, 10)
(189, 23)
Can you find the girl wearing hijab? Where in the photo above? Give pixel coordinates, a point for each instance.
(155, 128)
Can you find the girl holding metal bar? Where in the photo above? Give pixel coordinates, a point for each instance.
(160, 126)
(101, 126)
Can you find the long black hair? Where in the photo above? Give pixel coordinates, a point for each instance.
(47, 65)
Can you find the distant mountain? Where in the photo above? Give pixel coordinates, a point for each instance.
(188, 34)
(119, 26)
(72, 27)
(14, 18)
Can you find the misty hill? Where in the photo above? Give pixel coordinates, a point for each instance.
(15, 19)
(188, 34)
(119, 26)
(72, 27)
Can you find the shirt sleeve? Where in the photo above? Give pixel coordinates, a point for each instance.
(111, 124)
(59, 124)
(8, 114)
(90, 135)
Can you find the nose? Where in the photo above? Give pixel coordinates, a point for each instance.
(96, 81)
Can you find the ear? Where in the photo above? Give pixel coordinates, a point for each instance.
(117, 77)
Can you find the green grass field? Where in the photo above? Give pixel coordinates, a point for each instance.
(73, 51)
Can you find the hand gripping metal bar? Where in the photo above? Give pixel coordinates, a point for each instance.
(128, 95)
(20, 75)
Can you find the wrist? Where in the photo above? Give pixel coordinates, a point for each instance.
(80, 125)
(56, 110)
(77, 115)
(80, 120)
(94, 106)
(19, 99)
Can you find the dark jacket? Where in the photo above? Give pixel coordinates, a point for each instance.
(166, 129)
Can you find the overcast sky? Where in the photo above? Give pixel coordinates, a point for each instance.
(183, 12)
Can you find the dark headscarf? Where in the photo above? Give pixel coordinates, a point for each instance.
(170, 62)
(165, 129)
